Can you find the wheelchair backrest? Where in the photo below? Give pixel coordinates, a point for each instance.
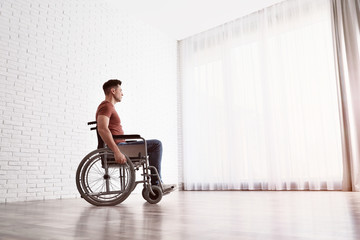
(101, 143)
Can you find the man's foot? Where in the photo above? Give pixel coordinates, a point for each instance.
(168, 187)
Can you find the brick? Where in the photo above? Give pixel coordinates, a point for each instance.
(43, 185)
(36, 163)
(29, 168)
(19, 128)
(35, 181)
(28, 195)
(52, 189)
(16, 163)
(29, 150)
(35, 197)
(30, 125)
(11, 187)
(12, 196)
(35, 190)
(52, 180)
(48, 195)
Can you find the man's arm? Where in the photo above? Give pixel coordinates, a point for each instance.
(104, 131)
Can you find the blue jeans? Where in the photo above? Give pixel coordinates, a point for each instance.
(154, 150)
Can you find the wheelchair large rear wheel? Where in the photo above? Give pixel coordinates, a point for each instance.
(103, 182)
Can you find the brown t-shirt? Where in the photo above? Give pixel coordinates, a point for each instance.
(107, 109)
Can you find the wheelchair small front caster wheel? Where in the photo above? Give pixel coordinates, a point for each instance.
(150, 198)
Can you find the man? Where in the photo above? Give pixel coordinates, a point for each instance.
(109, 123)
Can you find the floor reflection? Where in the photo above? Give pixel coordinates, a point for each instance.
(120, 222)
(152, 217)
(354, 210)
(104, 222)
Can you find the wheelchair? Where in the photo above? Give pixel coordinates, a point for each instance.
(103, 182)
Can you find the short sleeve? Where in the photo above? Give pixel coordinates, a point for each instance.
(104, 109)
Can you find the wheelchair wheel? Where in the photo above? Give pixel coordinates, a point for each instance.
(103, 182)
(150, 198)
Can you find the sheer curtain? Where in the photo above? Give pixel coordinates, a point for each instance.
(346, 17)
(260, 102)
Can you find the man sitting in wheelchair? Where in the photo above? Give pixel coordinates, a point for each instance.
(109, 124)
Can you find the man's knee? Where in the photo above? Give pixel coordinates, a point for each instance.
(158, 143)
(154, 143)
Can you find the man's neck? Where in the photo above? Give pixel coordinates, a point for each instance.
(110, 99)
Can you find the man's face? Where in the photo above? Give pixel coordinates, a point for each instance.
(118, 93)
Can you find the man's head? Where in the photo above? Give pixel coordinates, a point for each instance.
(112, 88)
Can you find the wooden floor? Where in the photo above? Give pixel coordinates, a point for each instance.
(190, 215)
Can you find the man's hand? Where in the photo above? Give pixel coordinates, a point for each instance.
(119, 157)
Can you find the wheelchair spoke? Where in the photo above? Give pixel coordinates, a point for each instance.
(98, 169)
(113, 185)
(99, 188)
(96, 183)
(94, 168)
(113, 171)
(95, 177)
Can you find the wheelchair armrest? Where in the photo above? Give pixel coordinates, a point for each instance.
(132, 136)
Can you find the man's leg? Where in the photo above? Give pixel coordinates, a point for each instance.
(154, 149)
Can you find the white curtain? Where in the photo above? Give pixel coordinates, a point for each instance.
(346, 17)
(260, 102)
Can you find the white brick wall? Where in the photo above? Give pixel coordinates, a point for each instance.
(54, 58)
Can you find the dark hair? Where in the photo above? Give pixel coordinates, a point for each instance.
(112, 83)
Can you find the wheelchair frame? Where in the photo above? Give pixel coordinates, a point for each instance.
(103, 182)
